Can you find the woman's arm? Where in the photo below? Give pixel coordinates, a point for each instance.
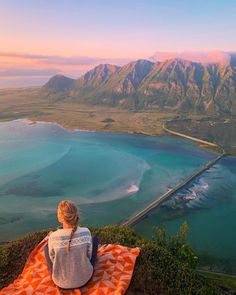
(90, 249)
(90, 246)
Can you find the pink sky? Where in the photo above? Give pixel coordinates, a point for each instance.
(40, 38)
(22, 69)
(26, 69)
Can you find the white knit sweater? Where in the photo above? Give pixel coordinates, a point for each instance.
(73, 269)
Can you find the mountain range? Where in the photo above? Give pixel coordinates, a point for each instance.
(171, 85)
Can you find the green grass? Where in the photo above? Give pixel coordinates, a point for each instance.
(30, 103)
(221, 280)
(158, 269)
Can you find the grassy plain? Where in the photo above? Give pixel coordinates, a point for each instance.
(27, 103)
(31, 103)
(220, 130)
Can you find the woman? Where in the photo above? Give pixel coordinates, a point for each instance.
(71, 251)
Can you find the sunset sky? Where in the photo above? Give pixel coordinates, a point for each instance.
(40, 38)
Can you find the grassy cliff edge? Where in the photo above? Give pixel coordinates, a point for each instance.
(163, 267)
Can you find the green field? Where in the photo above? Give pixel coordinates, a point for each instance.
(27, 103)
(31, 103)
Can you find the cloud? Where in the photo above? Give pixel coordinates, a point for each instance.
(13, 82)
(18, 68)
(196, 56)
(64, 60)
(23, 72)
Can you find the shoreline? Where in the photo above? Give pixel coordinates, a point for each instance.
(213, 147)
(32, 122)
(162, 132)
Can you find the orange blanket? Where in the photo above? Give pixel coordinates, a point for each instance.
(112, 275)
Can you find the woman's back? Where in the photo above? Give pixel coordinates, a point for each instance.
(71, 269)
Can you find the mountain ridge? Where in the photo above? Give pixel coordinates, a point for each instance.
(174, 84)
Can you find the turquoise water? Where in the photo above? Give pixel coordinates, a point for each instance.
(110, 177)
(208, 204)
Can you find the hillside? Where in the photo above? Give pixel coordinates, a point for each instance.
(58, 83)
(95, 78)
(165, 265)
(172, 85)
(220, 131)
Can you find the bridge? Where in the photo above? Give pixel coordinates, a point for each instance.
(146, 211)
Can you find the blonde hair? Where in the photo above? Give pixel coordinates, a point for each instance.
(70, 214)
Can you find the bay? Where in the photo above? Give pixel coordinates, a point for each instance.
(110, 177)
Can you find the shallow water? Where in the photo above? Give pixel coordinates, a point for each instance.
(112, 176)
(109, 175)
(208, 204)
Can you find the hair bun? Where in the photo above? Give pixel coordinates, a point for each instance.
(69, 212)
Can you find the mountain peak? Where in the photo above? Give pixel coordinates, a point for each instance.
(97, 76)
(140, 63)
(58, 83)
(103, 70)
(128, 78)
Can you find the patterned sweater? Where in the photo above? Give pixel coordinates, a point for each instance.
(73, 269)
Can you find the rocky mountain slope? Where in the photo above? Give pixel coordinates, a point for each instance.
(176, 85)
(58, 83)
